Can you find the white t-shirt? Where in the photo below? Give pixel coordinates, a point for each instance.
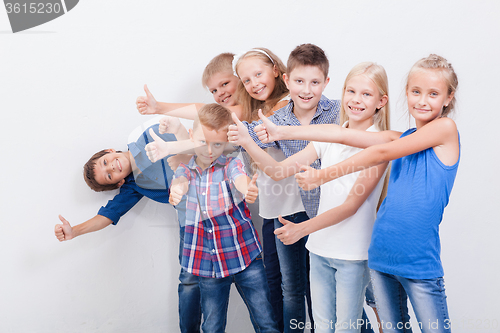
(349, 239)
(278, 197)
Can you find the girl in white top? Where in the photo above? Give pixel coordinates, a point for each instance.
(340, 233)
(262, 87)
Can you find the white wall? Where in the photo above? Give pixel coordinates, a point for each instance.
(68, 89)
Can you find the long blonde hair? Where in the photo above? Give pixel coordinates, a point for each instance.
(251, 105)
(381, 119)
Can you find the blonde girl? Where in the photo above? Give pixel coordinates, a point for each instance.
(261, 83)
(262, 87)
(339, 235)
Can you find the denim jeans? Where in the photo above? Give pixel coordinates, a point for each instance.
(369, 297)
(189, 297)
(427, 297)
(189, 303)
(251, 284)
(294, 268)
(368, 327)
(338, 293)
(273, 273)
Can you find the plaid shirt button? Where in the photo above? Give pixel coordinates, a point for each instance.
(218, 240)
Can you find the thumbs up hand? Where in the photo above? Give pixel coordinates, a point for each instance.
(63, 231)
(308, 178)
(267, 131)
(146, 104)
(238, 133)
(290, 232)
(169, 124)
(157, 149)
(252, 190)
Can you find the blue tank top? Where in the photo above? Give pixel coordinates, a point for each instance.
(405, 239)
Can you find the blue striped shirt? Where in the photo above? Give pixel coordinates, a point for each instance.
(327, 112)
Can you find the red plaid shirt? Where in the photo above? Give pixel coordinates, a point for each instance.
(219, 237)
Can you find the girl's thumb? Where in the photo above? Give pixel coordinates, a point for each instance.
(283, 221)
(235, 118)
(301, 166)
(261, 116)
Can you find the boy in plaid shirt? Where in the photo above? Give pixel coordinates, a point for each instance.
(221, 245)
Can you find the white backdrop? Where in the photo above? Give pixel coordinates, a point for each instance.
(68, 89)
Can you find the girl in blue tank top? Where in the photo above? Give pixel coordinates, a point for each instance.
(404, 254)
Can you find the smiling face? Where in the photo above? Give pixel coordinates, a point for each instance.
(209, 144)
(112, 168)
(427, 94)
(223, 86)
(361, 100)
(258, 78)
(306, 85)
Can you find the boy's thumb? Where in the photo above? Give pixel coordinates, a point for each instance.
(254, 179)
(153, 135)
(63, 220)
(148, 93)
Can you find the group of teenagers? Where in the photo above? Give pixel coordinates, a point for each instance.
(344, 230)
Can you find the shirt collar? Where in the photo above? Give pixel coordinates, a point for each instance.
(372, 128)
(221, 160)
(323, 104)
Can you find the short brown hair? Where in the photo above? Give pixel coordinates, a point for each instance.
(89, 173)
(223, 63)
(308, 55)
(213, 116)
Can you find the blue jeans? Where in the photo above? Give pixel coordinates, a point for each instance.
(369, 297)
(189, 297)
(370, 301)
(294, 268)
(338, 293)
(273, 273)
(189, 303)
(252, 286)
(427, 297)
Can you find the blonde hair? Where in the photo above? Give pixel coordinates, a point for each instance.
(250, 105)
(223, 63)
(435, 62)
(377, 74)
(214, 117)
(381, 118)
